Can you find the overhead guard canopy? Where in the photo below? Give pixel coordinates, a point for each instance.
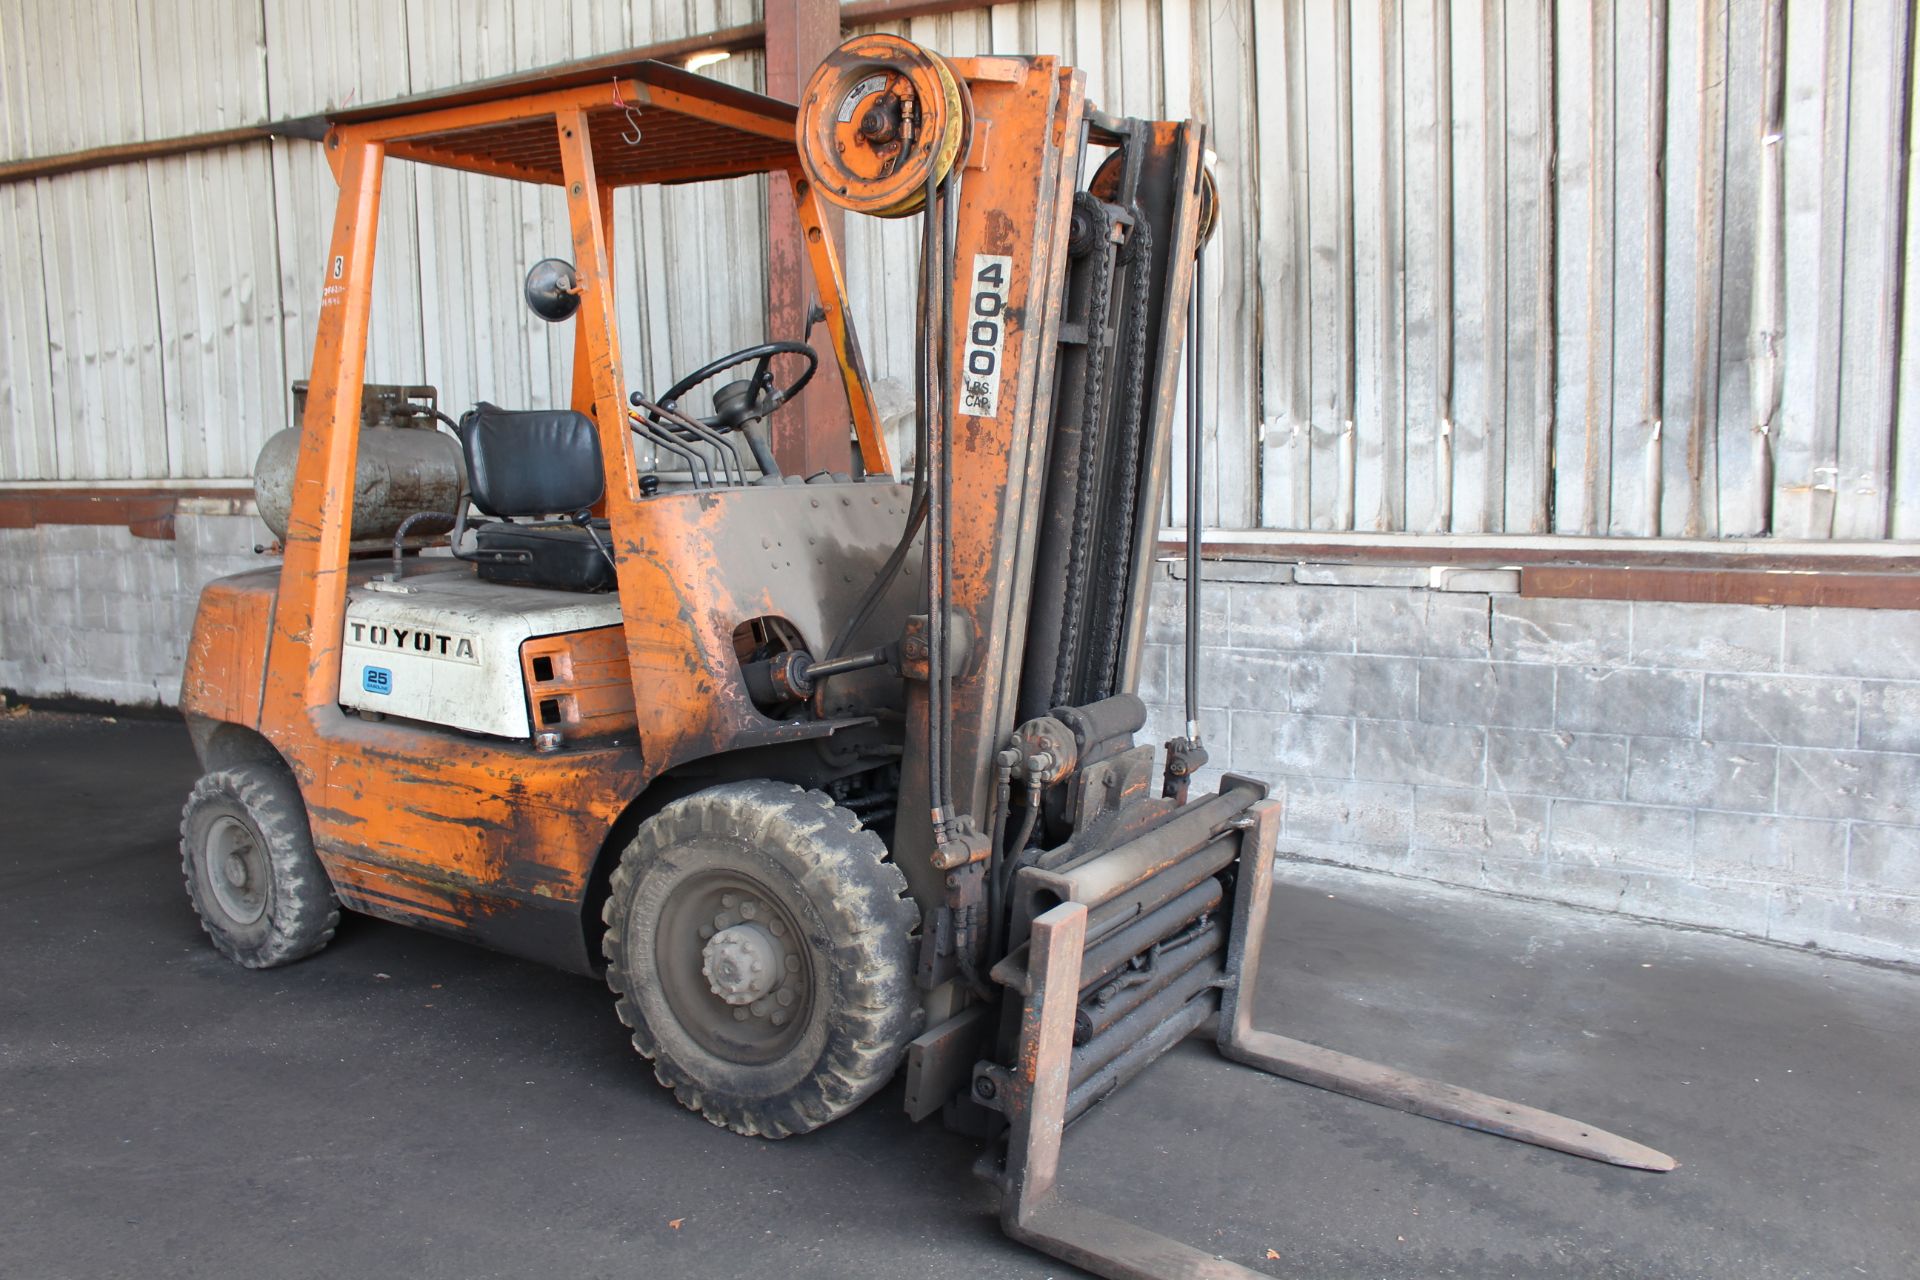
(691, 128)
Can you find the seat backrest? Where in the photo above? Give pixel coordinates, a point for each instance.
(533, 462)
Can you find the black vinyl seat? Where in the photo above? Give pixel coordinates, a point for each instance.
(533, 465)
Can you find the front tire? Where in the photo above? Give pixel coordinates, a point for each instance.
(247, 854)
(760, 945)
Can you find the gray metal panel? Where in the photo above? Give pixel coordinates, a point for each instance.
(1503, 238)
(221, 359)
(27, 436)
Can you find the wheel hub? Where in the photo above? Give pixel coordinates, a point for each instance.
(734, 966)
(236, 871)
(742, 964)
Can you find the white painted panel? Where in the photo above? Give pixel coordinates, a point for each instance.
(1871, 266)
(1547, 223)
(322, 57)
(26, 368)
(217, 263)
(1818, 52)
(109, 416)
(1379, 421)
(1225, 40)
(203, 66)
(1530, 248)
(1906, 463)
(1428, 272)
(77, 68)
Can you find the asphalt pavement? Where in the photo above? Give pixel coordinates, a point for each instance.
(404, 1105)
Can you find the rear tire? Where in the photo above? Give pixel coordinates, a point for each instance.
(247, 854)
(761, 947)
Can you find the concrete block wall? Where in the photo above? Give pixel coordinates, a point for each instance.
(1751, 769)
(90, 611)
(1745, 768)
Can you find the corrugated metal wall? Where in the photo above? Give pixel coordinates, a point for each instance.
(1487, 265)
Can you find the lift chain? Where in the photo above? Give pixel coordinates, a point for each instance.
(1137, 256)
(1099, 304)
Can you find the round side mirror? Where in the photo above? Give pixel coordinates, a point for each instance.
(553, 290)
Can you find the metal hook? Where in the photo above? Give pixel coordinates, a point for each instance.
(631, 135)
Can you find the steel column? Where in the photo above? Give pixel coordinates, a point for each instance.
(810, 434)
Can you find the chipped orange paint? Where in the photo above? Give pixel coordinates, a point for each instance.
(583, 675)
(227, 656)
(1017, 207)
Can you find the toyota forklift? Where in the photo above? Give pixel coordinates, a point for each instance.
(830, 777)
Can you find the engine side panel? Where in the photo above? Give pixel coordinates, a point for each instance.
(443, 647)
(489, 840)
(227, 656)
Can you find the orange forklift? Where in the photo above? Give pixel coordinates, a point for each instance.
(830, 776)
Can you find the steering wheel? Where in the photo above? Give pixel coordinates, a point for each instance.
(744, 400)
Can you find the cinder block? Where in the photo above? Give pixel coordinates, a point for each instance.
(1339, 684)
(1310, 619)
(1879, 643)
(1167, 613)
(1866, 786)
(1240, 679)
(1505, 694)
(1651, 894)
(1448, 866)
(98, 610)
(55, 609)
(1367, 857)
(1561, 631)
(1711, 637)
(1431, 754)
(105, 655)
(18, 549)
(1265, 744)
(1796, 711)
(1884, 859)
(1881, 926)
(69, 539)
(1890, 715)
(1494, 582)
(221, 535)
(113, 571)
(1153, 676)
(1627, 836)
(1234, 571)
(1596, 888)
(1351, 813)
(43, 671)
(1421, 623)
(1362, 575)
(1627, 700)
(1467, 820)
(1712, 904)
(1711, 775)
(56, 571)
(1768, 849)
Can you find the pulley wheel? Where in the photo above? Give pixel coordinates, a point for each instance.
(1106, 186)
(879, 118)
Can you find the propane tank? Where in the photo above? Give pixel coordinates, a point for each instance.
(405, 465)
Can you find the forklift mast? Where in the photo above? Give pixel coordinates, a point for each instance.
(1050, 361)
